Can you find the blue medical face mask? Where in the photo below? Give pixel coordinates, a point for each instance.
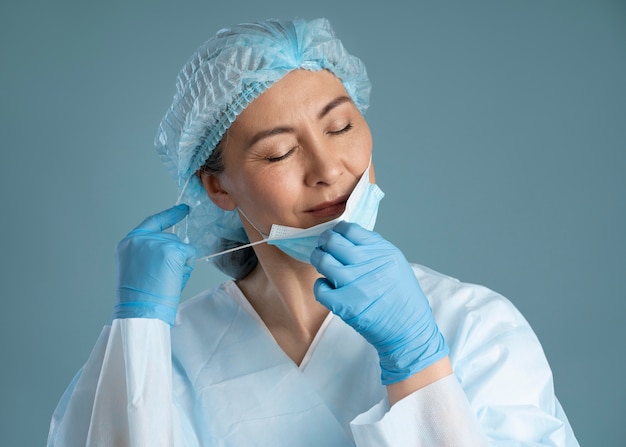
(361, 208)
(299, 243)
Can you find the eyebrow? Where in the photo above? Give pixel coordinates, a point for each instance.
(268, 133)
(285, 129)
(331, 105)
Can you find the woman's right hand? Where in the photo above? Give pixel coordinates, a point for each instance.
(153, 268)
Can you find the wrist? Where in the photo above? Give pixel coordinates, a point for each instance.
(414, 352)
(133, 303)
(432, 373)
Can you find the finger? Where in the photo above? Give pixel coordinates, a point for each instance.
(142, 241)
(164, 219)
(323, 292)
(190, 250)
(324, 262)
(333, 299)
(337, 245)
(186, 274)
(337, 274)
(182, 255)
(189, 254)
(356, 233)
(357, 259)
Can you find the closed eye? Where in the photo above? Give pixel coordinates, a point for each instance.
(341, 131)
(281, 157)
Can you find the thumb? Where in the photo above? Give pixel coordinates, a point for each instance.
(164, 220)
(324, 294)
(186, 274)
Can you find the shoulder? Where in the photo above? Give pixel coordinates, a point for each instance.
(459, 304)
(482, 327)
(497, 359)
(200, 320)
(217, 299)
(494, 352)
(207, 299)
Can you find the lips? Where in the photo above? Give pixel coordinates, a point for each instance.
(329, 209)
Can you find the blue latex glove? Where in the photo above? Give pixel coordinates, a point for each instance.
(371, 286)
(153, 268)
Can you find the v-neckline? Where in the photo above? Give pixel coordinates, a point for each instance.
(238, 296)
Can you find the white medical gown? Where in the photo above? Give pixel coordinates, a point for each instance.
(218, 378)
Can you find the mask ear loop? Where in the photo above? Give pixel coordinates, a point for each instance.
(182, 191)
(179, 200)
(240, 247)
(230, 250)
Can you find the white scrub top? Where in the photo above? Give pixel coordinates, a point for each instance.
(218, 378)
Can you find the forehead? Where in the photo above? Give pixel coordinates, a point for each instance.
(299, 94)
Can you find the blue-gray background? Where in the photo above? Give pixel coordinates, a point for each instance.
(499, 132)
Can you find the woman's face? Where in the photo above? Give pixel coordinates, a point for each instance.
(295, 154)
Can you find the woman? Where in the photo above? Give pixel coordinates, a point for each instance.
(327, 335)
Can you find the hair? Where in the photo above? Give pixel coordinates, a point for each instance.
(240, 263)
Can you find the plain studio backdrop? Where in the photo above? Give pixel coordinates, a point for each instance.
(499, 138)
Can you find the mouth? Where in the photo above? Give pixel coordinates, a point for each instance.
(329, 209)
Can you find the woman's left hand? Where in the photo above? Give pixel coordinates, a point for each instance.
(371, 286)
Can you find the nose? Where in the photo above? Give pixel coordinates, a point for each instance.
(324, 163)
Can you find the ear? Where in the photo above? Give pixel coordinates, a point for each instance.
(216, 192)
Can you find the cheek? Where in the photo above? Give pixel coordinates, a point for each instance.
(266, 194)
(364, 134)
(362, 149)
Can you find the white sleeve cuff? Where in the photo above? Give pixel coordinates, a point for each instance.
(438, 414)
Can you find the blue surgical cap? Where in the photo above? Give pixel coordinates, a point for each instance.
(219, 81)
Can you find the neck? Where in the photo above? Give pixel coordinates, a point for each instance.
(280, 289)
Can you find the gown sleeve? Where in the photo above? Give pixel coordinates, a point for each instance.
(424, 418)
(123, 394)
(502, 389)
